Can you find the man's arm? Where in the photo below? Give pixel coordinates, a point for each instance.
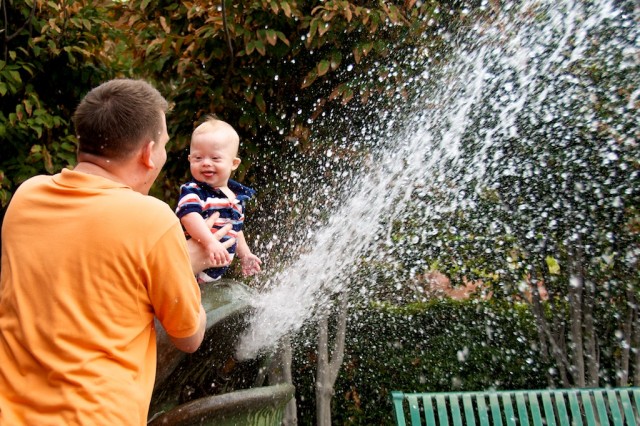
(192, 343)
(200, 231)
(200, 257)
(200, 260)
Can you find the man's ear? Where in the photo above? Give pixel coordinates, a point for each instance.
(236, 163)
(146, 155)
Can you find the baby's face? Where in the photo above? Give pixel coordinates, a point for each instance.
(213, 157)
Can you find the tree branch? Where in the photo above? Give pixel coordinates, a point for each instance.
(225, 25)
(338, 347)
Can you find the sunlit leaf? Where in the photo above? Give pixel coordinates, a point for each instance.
(250, 47)
(309, 79)
(336, 59)
(552, 264)
(347, 13)
(323, 67)
(260, 47)
(28, 107)
(283, 38)
(274, 6)
(313, 29)
(164, 25)
(48, 161)
(347, 95)
(323, 28)
(272, 37)
(286, 8)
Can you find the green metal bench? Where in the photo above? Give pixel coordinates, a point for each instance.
(575, 407)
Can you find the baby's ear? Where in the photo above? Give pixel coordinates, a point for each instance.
(236, 162)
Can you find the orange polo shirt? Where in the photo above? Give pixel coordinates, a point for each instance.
(86, 264)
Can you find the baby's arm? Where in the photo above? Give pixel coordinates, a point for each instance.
(200, 232)
(250, 262)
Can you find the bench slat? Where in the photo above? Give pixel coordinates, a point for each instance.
(496, 412)
(636, 397)
(614, 407)
(590, 416)
(522, 409)
(601, 407)
(441, 404)
(398, 399)
(483, 413)
(627, 408)
(549, 414)
(469, 414)
(414, 410)
(576, 412)
(509, 415)
(429, 416)
(536, 417)
(563, 417)
(455, 410)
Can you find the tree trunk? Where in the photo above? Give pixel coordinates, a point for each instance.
(636, 345)
(538, 314)
(590, 337)
(546, 336)
(327, 370)
(576, 289)
(627, 339)
(323, 388)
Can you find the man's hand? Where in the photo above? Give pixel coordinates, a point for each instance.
(201, 259)
(218, 252)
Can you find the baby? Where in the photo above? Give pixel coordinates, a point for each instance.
(212, 158)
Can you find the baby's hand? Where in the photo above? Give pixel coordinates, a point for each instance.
(218, 253)
(250, 264)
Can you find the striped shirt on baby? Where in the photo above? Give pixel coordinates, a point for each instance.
(199, 197)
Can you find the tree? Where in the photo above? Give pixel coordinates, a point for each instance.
(329, 362)
(50, 55)
(542, 193)
(272, 69)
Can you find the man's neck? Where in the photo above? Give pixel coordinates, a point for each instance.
(92, 168)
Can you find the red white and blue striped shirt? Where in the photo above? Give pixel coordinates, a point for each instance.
(199, 197)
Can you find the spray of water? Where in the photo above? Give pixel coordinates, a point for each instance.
(501, 84)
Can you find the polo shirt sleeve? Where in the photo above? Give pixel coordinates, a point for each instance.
(172, 287)
(190, 201)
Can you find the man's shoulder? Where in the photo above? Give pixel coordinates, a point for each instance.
(153, 206)
(154, 203)
(35, 181)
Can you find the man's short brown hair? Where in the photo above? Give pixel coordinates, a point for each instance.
(115, 118)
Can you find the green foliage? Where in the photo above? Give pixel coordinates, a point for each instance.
(273, 68)
(443, 345)
(52, 53)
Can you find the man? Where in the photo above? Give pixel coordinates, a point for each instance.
(88, 260)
